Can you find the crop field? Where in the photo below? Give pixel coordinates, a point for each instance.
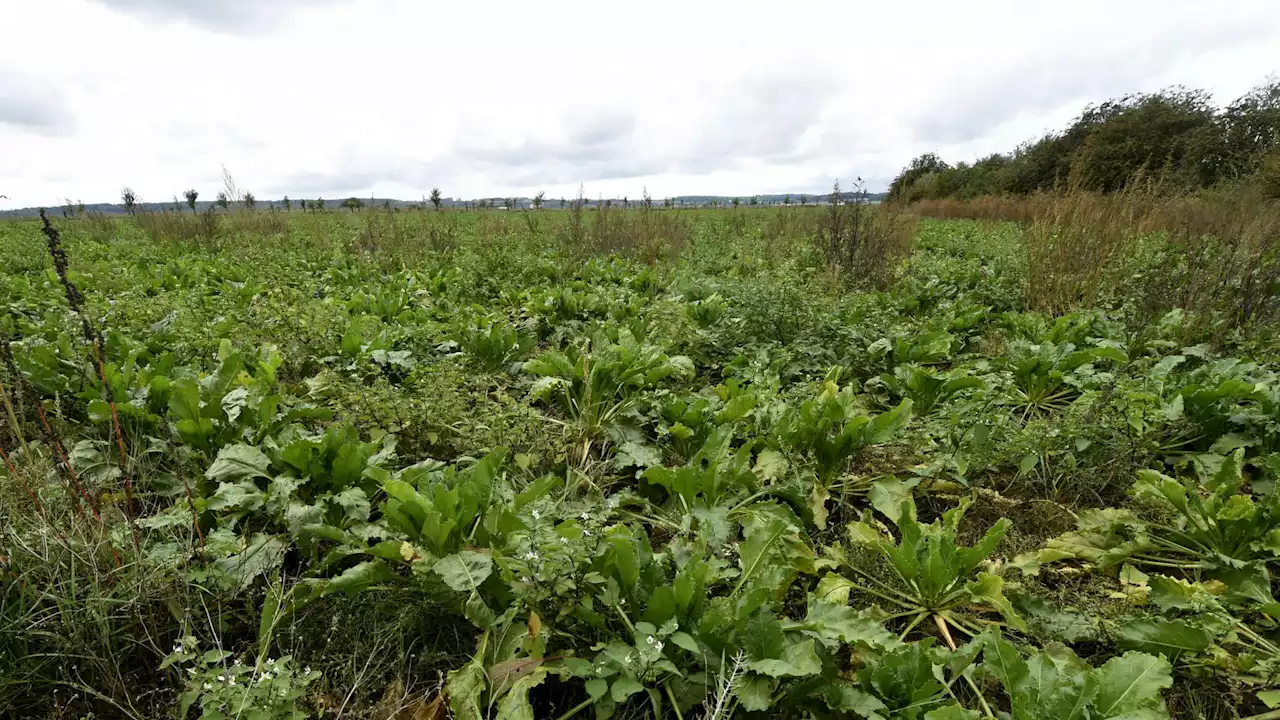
(777, 462)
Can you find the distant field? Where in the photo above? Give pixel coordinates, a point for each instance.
(820, 462)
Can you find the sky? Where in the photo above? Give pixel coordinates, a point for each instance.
(390, 98)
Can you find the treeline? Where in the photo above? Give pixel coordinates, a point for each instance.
(1176, 138)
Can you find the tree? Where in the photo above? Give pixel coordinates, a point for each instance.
(737, 202)
(191, 196)
(787, 201)
(562, 203)
(804, 199)
(130, 200)
(537, 200)
(926, 164)
(303, 203)
(435, 197)
(317, 204)
(250, 201)
(287, 205)
(223, 201)
(353, 204)
(755, 201)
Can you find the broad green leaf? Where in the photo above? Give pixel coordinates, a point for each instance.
(848, 699)
(264, 554)
(465, 570)
(238, 462)
(839, 623)
(1170, 638)
(770, 465)
(834, 589)
(989, 589)
(514, 704)
(1130, 683)
(360, 577)
(465, 688)
(243, 496)
(798, 659)
(624, 687)
(888, 496)
(755, 692)
(952, 712)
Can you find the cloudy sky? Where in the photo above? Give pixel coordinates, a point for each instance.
(392, 97)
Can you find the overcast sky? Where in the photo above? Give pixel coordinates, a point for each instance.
(392, 97)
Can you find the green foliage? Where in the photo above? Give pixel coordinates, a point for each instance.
(663, 536)
(831, 429)
(936, 576)
(223, 686)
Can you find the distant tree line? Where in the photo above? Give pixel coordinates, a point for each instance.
(1176, 137)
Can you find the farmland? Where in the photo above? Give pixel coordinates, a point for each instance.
(832, 461)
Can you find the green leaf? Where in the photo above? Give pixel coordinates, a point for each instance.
(1170, 638)
(514, 704)
(770, 465)
(238, 462)
(833, 588)
(798, 659)
(264, 553)
(755, 692)
(1270, 698)
(624, 687)
(243, 496)
(1028, 463)
(839, 623)
(354, 503)
(596, 688)
(989, 589)
(360, 577)
(887, 497)
(685, 640)
(845, 698)
(465, 688)
(465, 570)
(1130, 683)
(952, 712)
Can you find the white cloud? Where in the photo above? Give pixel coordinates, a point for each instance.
(393, 97)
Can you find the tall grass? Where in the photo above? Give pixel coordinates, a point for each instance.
(1214, 255)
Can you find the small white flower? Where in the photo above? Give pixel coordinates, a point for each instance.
(531, 555)
(524, 579)
(658, 646)
(191, 671)
(564, 541)
(535, 515)
(306, 670)
(271, 661)
(651, 640)
(586, 533)
(207, 686)
(586, 515)
(232, 681)
(222, 678)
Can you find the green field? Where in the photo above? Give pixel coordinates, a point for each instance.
(641, 463)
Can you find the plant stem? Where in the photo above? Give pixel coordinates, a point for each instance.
(13, 418)
(575, 709)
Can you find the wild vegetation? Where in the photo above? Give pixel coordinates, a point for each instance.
(809, 462)
(1177, 139)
